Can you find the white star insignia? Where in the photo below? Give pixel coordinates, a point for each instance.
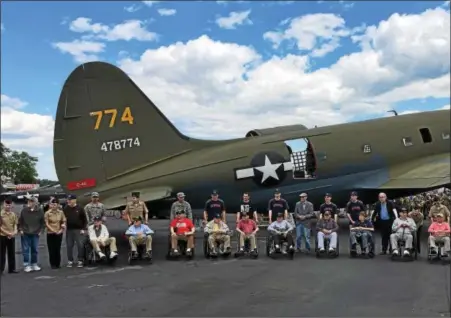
(269, 169)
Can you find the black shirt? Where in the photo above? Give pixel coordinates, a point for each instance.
(331, 207)
(247, 208)
(277, 206)
(75, 217)
(354, 209)
(214, 207)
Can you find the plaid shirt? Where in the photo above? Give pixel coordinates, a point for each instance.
(327, 225)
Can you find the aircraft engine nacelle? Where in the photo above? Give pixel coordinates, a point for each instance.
(275, 130)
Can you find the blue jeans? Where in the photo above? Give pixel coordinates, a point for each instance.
(302, 232)
(30, 244)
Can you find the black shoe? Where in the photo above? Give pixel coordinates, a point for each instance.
(383, 253)
(353, 247)
(134, 255)
(13, 272)
(228, 250)
(148, 255)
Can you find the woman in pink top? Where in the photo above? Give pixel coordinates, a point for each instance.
(439, 232)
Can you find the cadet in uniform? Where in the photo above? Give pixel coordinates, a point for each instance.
(8, 230)
(277, 205)
(95, 208)
(354, 207)
(136, 208)
(55, 222)
(246, 208)
(330, 207)
(213, 207)
(181, 205)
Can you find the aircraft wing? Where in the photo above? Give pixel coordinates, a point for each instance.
(424, 173)
(147, 195)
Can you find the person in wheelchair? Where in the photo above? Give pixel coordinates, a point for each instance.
(218, 232)
(403, 229)
(280, 232)
(361, 232)
(439, 232)
(247, 229)
(139, 234)
(99, 237)
(182, 229)
(327, 228)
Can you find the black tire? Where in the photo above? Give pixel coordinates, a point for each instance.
(205, 247)
(130, 260)
(268, 247)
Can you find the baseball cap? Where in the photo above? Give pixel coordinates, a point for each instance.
(277, 191)
(54, 201)
(136, 194)
(354, 193)
(97, 218)
(215, 192)
(440, 215)
(137, 218)
(280, 215)
(32, 199)
(8, 200)
(95, 194)
(217, 216)
(71, 197)
(328, 195)
(180, 195)
(403, 209)
(303, 194)
(180, 212)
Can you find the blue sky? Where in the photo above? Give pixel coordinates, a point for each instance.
(315, 63)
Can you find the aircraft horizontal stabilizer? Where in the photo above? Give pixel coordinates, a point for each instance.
(425, 173)
(147, 195)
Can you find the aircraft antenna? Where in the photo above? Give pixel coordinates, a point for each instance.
(393, 111)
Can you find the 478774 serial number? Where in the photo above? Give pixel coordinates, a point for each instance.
(120, 144)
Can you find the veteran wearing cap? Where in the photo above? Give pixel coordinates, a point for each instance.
(136, 208)
(77, 225)
(31, 225)
(99, 237)
(55, 223)
(181, 205)
(303, 215)
(95, 208)
(439, 232)
(8, 231)
(218, 232)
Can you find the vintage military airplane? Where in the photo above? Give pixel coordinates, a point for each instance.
(110, 138)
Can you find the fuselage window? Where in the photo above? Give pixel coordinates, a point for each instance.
(407, 141)
(366, 149)
(426, 135)
(445, 135)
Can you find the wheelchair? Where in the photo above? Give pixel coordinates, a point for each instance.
(284, 248)
(334, 254)
(181, 246)
(219, 246)
(141, 250)
(93, 259)
(439, 255)
(371, 248)
(247, 248)
(402, 247)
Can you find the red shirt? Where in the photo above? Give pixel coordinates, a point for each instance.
(182, 225)
(247, 226)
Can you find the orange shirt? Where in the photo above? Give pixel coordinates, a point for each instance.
(439, 227)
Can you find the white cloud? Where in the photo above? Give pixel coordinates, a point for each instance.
(318, 34)
(128, 30)
(346, 5)
(11, 102)
(82, 51)
(132, 8)
(445, 4)
(234, 19)
(166, 12)
(445, 107)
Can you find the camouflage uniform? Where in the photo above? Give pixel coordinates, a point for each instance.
(94, 209)
(181, 206)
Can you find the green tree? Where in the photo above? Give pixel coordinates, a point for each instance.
(47, 182)
(19, 166)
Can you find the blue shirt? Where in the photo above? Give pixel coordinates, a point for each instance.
(133, 230)
(384, 212)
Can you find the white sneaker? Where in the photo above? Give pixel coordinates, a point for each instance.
(113, 254)
(395, 252)
(331, 249)
(321, 249)
(70, 264)
(406, 253)
(80, 264)
(35, 268)
(28, 269)
(188, 250)
(101, 255)
(277, 246)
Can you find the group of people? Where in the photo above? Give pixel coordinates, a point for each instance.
(84, 226)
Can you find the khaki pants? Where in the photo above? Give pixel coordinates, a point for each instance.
(223, 238)
(111, 242)
(407, 237)
(140, 240)
(433, 240)
(251, 238)
(187, 238)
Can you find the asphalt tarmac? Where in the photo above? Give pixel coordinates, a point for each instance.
(265, 287)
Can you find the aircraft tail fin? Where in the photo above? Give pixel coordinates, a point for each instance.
(105, 126)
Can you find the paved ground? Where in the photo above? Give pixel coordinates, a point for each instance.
(305, 286)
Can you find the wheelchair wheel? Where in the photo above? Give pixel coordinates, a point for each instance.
(130, 259)
(206, 247)
(268, 246)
